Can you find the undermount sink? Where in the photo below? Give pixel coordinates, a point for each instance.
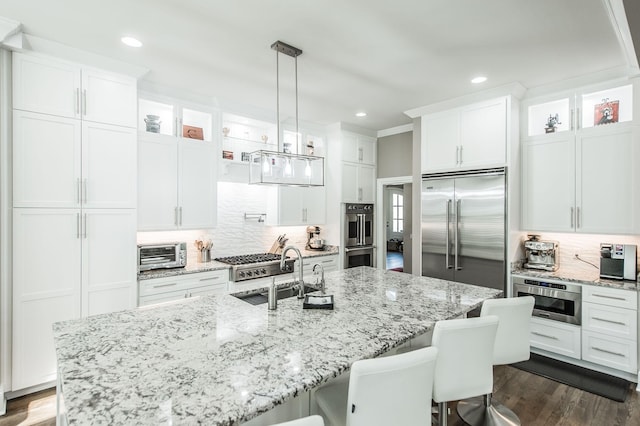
(260, 297)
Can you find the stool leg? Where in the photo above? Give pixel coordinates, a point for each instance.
(484, 411)
(442, 413)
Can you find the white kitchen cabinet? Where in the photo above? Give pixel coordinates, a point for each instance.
(159, 290)
(60, 88)
(579, 176)
(329, 264)
(470, 137)
(89, 268)
(177, 183)
(358, 183)
(61, 162)
(556, 337)
(290, 205)
(358, 148)
(610, 327)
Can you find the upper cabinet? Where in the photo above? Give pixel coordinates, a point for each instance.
(51, 86)
(578, 156)
(469, 137)
(177, 182)
(358, 167)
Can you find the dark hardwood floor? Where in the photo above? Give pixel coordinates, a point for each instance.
(536, 400)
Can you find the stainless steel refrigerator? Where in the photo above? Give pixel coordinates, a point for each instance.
(463, 227)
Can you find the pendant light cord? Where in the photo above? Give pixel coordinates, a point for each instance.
(297, 133)
(278, 98)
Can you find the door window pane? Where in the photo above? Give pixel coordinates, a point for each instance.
(396, 209)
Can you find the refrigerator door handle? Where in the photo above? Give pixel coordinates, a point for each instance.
(457, 226)
(448, 238)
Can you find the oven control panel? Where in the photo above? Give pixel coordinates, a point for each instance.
(546, 284)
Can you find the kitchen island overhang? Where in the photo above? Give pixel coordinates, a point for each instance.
(220, 360)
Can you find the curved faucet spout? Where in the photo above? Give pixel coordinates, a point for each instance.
(283, 258)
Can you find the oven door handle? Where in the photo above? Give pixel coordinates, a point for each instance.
(351, 250)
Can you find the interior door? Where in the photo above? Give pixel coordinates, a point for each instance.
(437, 230)
(479, 223)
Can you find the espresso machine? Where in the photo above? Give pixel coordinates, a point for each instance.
(314, 242)
(541, 254)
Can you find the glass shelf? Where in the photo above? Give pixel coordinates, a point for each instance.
(278, 168)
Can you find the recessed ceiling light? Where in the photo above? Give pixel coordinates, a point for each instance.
(361, 114)
(479, 79)
(130, 41)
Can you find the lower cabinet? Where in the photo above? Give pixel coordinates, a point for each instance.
(167, 289)
(329, 263)
(89, 268)
(556, 337)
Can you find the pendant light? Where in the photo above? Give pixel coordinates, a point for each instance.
(279, 167)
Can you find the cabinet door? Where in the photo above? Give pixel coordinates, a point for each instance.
(349, 143)
(109, 260)
(289, 208)
(350, 190)
(198, 185)
(157, 183)
(46, 85)
(548, 184)
(440, 141)
(606, 193)
(46, 160)
(46, 288)
(109, 163)
(109, 98)
(367, 150)
(315, 205)
(366, 184)
(483, 134)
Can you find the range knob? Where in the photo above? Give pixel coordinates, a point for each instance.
(249, 273)
(263, 270)
(241, 274)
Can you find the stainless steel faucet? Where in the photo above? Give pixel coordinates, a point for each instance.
(321, 276)
(300, 283)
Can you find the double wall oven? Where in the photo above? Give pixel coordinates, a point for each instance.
(553, 300)
(358, 235)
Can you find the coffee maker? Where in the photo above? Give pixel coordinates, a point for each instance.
(314, 242)
(541, 254)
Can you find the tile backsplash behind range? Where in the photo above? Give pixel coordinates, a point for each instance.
(234, 235)
(587, 246)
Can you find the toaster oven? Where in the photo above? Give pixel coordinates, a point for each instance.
(162, 256)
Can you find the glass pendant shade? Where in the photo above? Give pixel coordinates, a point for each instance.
(279, 168)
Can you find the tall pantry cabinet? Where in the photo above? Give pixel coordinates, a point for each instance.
(74, 203)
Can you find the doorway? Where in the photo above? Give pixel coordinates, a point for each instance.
(394, 224)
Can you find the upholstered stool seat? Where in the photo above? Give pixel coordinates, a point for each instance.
(393, 390)
(511, 345)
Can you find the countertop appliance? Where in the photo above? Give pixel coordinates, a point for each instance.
(314, 242)
(259, 265)
(556, 301)
(541, 254)
(463, 227)
(358, 235)
(618, 261)
(162, 256)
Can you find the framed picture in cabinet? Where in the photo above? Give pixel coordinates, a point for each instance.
(606, 112)
(227, 155)
(192, 132)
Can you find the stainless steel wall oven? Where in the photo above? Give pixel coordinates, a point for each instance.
(555, 301)
(358, 235)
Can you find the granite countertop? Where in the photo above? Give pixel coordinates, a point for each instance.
(195, 267)
(584, 276)
(220, 361)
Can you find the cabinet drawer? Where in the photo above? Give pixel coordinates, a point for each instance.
(169, 296)
(183, 282)
(610, 296)
(557, 337)
(610, 351)
(327, 262)
(610, 320)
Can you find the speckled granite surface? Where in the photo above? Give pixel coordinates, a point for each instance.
(217, 360)
(580, 276)
(195, 267)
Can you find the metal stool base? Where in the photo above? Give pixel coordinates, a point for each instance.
(476, 412)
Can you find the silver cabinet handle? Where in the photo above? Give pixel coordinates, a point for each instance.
(544, 335)
(572, 217)
(78, 190)
(84, 226)
(608, 352)
(609, 321)
(577, 217)
(175, 215)
(84, 190)
(447, 236)
(455, 233)
(84, 102)
(77, 100)
(210, 279)
(78, 225)
(359, 194)
(360, 155)
(578, 119)
(457, 154)
(461, 148)
(165, 285)
(609, 297)
(180, 210)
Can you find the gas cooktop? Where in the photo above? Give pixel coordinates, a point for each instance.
(251, 266)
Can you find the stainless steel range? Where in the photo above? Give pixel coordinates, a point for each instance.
(251, 266)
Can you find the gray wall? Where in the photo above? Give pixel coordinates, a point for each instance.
(394, 155)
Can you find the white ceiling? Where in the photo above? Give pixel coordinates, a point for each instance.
(383, 57)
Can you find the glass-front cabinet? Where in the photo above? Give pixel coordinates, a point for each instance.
(579, 149)
(171, 118)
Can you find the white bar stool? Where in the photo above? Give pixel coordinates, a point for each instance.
(511, 345)
(305, 421)
(464, 367)
(393, 390)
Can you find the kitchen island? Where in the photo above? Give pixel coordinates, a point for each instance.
(219, 360)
